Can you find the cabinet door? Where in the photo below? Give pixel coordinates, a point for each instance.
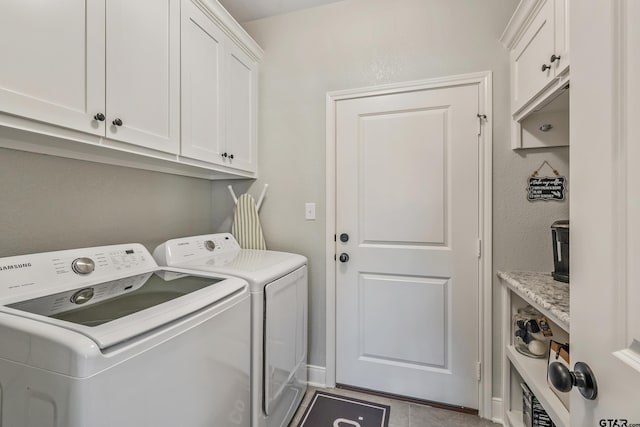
(143, 73)
(53, 61)
(562, 35)
(241, 107)
(529, 55)
(202, 109)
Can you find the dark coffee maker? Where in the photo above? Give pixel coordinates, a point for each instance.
(560, 235)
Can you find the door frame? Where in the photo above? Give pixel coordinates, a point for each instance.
(485, 273)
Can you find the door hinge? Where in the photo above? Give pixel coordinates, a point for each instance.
(481, 118)
(479, 248)
(479, 371)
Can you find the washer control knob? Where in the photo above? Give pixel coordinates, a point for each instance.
(209, 245)
(82, 296)
(83, 266)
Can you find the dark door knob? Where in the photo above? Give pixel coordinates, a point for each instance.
(554, 58)
(231, 156)
(225, 155)
(117, 122)
(545, 67)
(344, 237)
(582, 377)
(344, 257)
(99, 117)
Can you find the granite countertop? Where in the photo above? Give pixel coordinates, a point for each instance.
(542, 292)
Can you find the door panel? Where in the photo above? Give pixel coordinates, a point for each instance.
(143, 72)
(534, 49)
(407, 195)
(631, 321)
(284, 336)
(420, 218)
(241, 101)
(421, 314)
(202, 76)
(605, 231)
(58, 76)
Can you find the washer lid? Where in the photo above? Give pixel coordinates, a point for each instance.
(118, 310)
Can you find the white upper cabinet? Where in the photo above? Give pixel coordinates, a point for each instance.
(202, 76)
(166, 85)
(53, 61)
(219, 93)
(241, 111)
(143, 73)
(537, 36)
(532, 71)
(538, 39)
(561, 38)
(107, 69)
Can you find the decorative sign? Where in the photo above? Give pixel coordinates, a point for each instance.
(546, 188)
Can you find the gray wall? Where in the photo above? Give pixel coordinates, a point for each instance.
(356, 43)
(51, 203)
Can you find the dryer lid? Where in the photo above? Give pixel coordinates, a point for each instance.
(222, 254)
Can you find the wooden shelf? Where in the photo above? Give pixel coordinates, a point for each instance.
(534, 373)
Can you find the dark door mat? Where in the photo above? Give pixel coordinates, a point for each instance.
(331, 410)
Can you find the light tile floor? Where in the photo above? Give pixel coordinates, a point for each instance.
(403, 414)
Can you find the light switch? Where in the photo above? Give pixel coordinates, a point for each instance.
(310, 211)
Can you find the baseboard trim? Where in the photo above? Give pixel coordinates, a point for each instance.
(316, 376)
(497, 410)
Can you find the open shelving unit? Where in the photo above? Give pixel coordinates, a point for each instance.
(519, 368)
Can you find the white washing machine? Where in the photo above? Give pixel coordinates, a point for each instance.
(278, 285)
(103, 337)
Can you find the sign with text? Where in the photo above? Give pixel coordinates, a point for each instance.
(546, 188)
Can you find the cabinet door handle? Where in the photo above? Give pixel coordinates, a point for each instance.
(225, 155)
(99, 117)
(117, 122)
(554, 58)
(231, 156)
(545, 67)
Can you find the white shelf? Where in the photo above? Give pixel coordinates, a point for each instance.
(534, 373)
(515, 419)
(549, 297)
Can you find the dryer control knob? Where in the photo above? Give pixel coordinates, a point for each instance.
(82, 296)
(83, 266)
(210, 245)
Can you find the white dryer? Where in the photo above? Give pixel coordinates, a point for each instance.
(278, 285)
(102, 337)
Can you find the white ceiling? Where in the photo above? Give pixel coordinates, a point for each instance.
(248, 10)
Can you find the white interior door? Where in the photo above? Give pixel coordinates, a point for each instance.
(605, 209)
(407, 197)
